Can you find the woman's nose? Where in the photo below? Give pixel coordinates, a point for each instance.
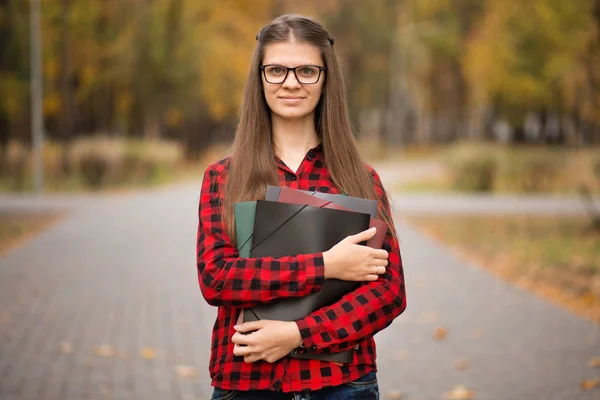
(290, 80)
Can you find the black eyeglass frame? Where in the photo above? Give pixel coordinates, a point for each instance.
(262, 68)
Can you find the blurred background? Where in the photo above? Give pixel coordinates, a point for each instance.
(481, 116)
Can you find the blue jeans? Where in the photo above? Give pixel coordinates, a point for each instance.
(365, 388)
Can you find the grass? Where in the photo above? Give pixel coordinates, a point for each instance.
(120, 179)
(518, 169)
(438, 184)
(16, 228)
(555, 257)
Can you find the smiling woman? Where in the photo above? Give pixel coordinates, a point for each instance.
(294, 130)
(292, 95)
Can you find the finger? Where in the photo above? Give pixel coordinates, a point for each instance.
(362, 236)
(241, 338)
(379, 262)
(242, 350)
(378, 270)
(250, 358)
(371, 277)
(380, 254)
(249, 326)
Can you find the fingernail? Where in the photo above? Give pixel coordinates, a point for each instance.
(373, 229)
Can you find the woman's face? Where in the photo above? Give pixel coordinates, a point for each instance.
(292, 99)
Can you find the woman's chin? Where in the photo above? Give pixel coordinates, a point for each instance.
(291, 114)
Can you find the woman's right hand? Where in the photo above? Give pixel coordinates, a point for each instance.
(350, 261)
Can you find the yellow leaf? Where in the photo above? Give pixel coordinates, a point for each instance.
(65, 348)
(186, 371)
(394, 395)
(105, 350)
(440, 333)
(173, 117)
(52, 104)
(460, 392)
(590, 384)
(461, 364)
(595, 362)
(148, 353)
(50, 68)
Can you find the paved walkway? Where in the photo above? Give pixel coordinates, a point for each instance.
(81, 301)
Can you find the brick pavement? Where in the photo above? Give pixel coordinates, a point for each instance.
(121, 272)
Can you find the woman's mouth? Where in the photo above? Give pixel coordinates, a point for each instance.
(291, 99)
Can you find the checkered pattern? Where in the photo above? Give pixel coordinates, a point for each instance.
(232, 283)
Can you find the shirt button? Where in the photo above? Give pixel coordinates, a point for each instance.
(294, 177)
(220, 286)
(310, 158)
(314, 347)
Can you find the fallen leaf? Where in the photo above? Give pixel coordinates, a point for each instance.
(394, 395)
(105, 350)
(460, 392)
(595, 362)
(65, 348)
(186, 371)
(401, 355)
(461, 364)
(590, 384)
(429, 317)
(148, 353)
(5, 317)
(475, 334)
(88, 362)
(8, 335)
(440, 333)
(105, 390)
(588, 299)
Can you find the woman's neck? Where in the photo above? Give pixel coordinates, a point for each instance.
(293, 138)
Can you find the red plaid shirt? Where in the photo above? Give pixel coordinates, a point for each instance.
(232, 283)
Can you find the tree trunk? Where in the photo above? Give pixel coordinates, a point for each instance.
(66, 121)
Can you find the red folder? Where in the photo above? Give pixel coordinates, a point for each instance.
(293, 196)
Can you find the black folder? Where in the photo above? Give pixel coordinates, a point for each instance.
(354, 203)
(282, 229)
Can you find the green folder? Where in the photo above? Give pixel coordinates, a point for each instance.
(244, 226)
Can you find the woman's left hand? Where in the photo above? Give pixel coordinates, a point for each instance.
(271, 341)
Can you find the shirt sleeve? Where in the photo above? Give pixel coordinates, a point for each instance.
(363, 312)
(225, 279)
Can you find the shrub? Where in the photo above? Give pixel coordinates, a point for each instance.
(96, 159)
(118, 161)
(531, 172)
(474, 174)
(16, 165)
(472, 166)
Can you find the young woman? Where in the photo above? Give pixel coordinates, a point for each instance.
(294, 130)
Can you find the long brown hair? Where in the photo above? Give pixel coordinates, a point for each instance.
(252, 165)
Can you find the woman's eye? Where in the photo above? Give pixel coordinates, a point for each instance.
(307, 71)
(276, 70)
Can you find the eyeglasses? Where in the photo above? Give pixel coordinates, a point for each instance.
(305, 74)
